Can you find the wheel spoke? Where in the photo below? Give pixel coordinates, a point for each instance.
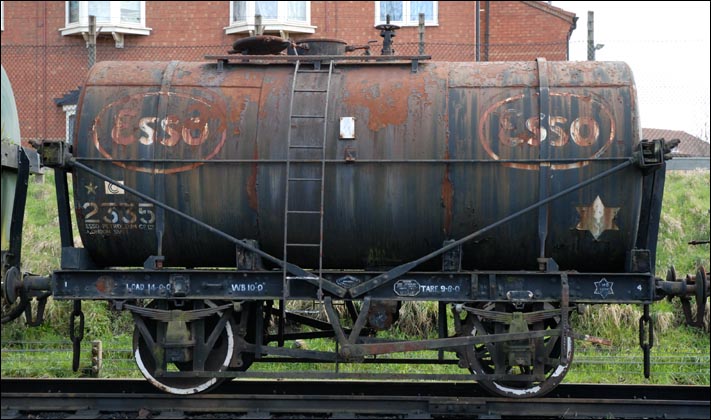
(543, 354)
(219, 327)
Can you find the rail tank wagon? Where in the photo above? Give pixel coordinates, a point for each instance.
(432, 156)
(211, 196)
(17, 164)
(10, 135)
(410, 160)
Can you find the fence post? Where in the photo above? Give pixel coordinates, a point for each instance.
(421, 32)
(91, 41)
(96, 358)
(478, 30)
(591, 36)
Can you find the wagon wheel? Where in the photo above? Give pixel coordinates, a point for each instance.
(537, 360)
(14, 297)
(218, 359)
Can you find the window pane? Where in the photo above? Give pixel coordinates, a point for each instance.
(100, 9)
(417, 7)
(239, 11)
(73, 12)
(392, 8)
(268, 9)
(71, 120)
(297, 11)
(131, 11)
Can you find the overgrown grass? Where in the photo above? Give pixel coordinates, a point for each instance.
(41, 247)
(685, 217)
(680, 353)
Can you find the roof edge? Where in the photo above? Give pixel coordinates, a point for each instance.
(552, 10)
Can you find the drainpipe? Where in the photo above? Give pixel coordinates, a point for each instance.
(487, 33)
(478, 33)
(591, 36)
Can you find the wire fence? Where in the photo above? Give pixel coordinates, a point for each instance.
(115, 360)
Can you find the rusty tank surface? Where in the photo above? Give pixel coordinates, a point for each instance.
(412, 159)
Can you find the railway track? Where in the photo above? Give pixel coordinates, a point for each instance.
(106, 398)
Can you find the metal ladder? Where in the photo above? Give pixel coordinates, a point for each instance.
(297, 167)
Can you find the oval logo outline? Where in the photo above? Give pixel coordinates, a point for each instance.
(486, 140)
(216, 112)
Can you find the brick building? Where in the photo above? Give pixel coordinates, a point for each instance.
(46, 57)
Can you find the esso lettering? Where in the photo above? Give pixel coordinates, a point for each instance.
(129, 128)
(584, 131)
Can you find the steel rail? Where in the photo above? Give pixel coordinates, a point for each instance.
(379, 161)
(354, 397)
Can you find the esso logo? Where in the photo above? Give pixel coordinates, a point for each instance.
(153, 132)
(579, 127)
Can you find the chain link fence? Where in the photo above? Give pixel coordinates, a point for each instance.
(114, 359)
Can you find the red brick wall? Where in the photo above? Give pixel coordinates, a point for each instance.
(354, 22)
(202, 23)
(520, 24)
(190, 23)
(42, 64)
(186, 23)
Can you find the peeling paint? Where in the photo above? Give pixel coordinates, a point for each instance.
(385, 100)
(447, 199)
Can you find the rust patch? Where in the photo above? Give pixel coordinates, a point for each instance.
(447, 186)
(386, 102)
(236, 113)
(447, 198)
(274, 90)
(104, 284)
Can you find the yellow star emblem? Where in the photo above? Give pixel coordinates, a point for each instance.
(90, 188)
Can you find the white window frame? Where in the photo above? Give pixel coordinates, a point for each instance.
(69, 111)
(113, 26)
(282, 24)
(434, 21)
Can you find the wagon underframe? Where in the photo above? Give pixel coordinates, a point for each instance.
(516, 287)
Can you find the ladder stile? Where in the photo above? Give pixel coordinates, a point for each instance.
(296, 122)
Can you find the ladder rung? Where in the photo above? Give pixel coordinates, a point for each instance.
(301, 278)
(311, 90)
(308, 178)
